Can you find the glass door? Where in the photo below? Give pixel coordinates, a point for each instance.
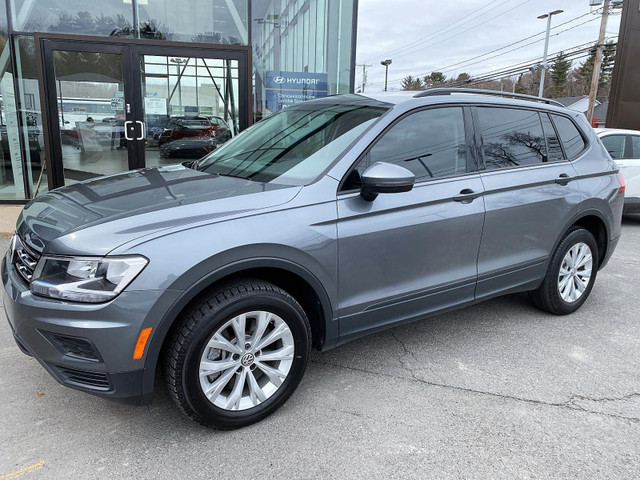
(112, 107)
(190, 106)
(92, 129)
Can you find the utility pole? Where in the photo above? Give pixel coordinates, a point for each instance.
(546, 47)
(597, 64)
(364, 75)
(385, 64)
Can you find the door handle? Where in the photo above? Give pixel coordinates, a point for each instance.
(143, 134)
(126, 127)
(563, 179)
(466, 196)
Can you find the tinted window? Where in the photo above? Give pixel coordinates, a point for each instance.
(635, 142)
(554, 150)
(569, 135)
(430, 143)
(511, 137)
(614, 145)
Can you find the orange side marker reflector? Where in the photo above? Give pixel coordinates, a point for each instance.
(142, 342)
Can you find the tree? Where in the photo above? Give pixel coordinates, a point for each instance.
(559, 74)
(585, 71)
(411, 83)
(463, 78)
(435, 78)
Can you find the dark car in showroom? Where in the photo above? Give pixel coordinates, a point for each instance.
(193, 148)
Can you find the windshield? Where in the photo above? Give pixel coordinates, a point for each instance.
(294, 146)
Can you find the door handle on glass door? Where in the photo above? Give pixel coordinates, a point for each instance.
(126, 128)
(143, 134)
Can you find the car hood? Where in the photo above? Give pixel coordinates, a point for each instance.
(96, 216)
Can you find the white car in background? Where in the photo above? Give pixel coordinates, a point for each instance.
(624, 148)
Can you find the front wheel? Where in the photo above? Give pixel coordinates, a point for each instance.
(571, 274)
(238, 354)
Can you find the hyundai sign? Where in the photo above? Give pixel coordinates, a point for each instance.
(284, 89)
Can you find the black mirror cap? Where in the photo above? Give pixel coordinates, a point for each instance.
(384, 177)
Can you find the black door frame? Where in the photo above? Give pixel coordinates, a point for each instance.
(131, 51)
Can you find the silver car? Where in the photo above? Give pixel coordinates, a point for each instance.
(330, 220)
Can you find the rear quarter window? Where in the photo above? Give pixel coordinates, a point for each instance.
(571, 138)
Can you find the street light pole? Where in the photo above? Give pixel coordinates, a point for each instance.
(386, 64)
(546, 47)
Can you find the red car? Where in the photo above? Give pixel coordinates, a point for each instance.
(192, 127)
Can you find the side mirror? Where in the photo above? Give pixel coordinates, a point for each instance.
(384, 177)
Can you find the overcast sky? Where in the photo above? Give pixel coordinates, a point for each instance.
(421, 36)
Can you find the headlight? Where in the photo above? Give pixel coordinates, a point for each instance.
(89, 280)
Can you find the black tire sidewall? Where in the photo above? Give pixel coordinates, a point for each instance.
(579, 235)
(272, 302)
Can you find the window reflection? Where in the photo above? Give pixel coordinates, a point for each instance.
(511, 137)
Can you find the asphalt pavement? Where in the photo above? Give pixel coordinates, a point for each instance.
(497, 390)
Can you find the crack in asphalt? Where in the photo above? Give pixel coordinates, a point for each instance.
(569, 404)
(580, 398)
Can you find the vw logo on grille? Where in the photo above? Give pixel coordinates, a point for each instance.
(247, 359)
(278, 80)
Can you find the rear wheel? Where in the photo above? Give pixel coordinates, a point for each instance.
(238, 354)
(571, 274)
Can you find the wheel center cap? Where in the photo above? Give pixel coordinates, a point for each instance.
(247, 359)
(573, 272)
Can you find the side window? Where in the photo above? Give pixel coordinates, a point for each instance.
(431, 143)
(615, 145)
(511, 137)
(635, 142)
(570, 136)
(554, 150)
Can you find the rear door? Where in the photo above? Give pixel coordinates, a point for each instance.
(407, 254)
(530, 193)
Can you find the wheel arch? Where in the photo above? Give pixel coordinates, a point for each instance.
(595, 221)
(291, 277)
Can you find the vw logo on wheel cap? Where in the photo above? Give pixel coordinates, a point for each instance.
(247, 359)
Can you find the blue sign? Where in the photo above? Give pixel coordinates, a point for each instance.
(284, 89)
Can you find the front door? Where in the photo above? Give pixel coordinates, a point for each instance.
(112, 107)
(405, 255)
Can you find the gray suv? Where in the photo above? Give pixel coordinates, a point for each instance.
(330, 220)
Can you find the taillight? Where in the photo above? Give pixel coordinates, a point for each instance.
(623, 186)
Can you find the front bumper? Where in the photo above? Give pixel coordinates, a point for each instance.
(88, 347)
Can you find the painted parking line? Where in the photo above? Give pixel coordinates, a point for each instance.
(22, 471)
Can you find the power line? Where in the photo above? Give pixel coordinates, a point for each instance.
(504, 53)
(464, 31)
(432, 34)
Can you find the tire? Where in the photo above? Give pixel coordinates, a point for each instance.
(554, 295)
(258, 377)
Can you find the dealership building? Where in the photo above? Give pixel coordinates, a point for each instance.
(96, 87)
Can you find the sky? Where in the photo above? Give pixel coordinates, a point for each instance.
(421, 36)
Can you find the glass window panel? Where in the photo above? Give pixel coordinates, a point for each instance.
(614, 145)
(430, 143)
(511, 137)
(112, 18)
(570, 136)
(635, 142)
(299, 37)
(553, 142)
(203, 21)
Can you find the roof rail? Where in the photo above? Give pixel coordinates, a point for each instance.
(496, 93)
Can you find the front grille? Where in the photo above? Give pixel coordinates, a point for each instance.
(81, 378)
(73, 346)
(24, 259)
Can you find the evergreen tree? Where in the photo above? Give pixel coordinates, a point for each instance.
(411, 83)
(559, 73)
(435, 78)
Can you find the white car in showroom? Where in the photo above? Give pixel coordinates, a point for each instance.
(624, 148)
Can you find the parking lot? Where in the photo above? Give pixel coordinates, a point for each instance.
(495, 390)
